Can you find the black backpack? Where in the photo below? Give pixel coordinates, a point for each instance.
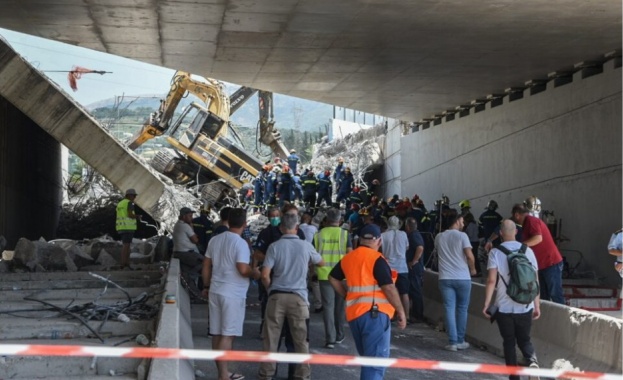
(523, 286)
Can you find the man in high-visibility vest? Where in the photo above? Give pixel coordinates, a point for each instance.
(126, 224)
(371, 298)
(332, 242)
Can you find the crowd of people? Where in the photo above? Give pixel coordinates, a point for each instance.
(363, 259)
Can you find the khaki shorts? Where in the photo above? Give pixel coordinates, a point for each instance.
(226, 315)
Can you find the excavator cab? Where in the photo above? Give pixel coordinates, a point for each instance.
(193, 121)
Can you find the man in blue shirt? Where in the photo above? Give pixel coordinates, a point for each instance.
(293, 161)
(415, 262)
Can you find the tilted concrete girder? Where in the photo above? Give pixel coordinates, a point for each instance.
(48, 106)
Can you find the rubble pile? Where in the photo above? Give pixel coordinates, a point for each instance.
(98, 254)
(360, 151)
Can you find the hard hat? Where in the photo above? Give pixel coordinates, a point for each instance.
(266, 167)
(292, 150)
(492, 205)
(533, 204)
(131, 192)
(464, 204)
(286, 168)
(354, 206)
(327, 172)
(445, 200)
(376, 182)
(356, 189)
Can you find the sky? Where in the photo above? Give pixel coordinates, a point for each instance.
(47, 56)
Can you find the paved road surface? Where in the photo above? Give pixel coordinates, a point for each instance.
(418, 341)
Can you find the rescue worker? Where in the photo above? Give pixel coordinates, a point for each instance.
(284, 187)
(371, 298)
(354, 197)
(489, 222)
(533, 205)
(338, 173)
(260, 187)
(325, 189)
(370, 191)
(271, 186)
(297, 188)
(465, 207)
(293, 161)
(126, 225)
(310, 186)
(345, 185)
(203, 227)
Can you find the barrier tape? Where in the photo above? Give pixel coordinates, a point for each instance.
(322, 359)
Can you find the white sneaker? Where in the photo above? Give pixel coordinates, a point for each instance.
(533, 377)
(462, 346)
(450, 347)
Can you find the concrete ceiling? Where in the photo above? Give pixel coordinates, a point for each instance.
(404, 59)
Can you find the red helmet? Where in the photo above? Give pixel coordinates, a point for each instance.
(356, 189)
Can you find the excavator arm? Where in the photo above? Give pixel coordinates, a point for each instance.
(268, 134)
(212, 94)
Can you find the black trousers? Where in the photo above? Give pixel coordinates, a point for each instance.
(515, 331)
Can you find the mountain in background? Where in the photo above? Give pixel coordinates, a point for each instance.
(290, 112)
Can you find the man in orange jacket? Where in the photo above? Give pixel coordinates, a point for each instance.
(371, 298)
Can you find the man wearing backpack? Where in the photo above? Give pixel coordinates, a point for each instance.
(514, 275)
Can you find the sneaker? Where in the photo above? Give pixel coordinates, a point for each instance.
(450, 347)
(533, 377)
(339, 340)
(462, 346)
(329, 345)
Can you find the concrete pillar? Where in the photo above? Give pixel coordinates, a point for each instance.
(30, 178)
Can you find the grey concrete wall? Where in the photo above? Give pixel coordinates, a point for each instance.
(563, 145)
(590, 342)
(30, 178)
(391, 165)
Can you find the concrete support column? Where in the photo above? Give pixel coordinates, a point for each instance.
(30, 178)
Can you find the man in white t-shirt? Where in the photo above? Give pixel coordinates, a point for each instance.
(514, 319)
(226, 273)
(395, 244)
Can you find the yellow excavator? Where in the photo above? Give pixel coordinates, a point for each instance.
(199, 136)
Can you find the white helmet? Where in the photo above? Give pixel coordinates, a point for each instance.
(533, 204)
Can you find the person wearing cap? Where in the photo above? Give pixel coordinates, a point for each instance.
(126, 224)
(371, 298)
(293, 161)
(185, 249)
(395, 244)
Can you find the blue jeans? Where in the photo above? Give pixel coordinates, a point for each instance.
(416, 294)
(372, 337)
(550, 280)
(455, 294)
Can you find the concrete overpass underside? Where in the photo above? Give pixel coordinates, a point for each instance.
(407, 60)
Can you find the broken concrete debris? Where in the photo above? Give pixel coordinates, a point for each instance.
(102, 253)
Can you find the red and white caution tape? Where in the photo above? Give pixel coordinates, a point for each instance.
(321, 359)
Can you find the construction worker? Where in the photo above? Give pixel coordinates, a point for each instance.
(325, 189)
(344, 186)
(338, 173)
(371, 298)
(310, 186)
(293, 161)
(126, 224)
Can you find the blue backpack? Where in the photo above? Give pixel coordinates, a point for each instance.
(523, 286)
